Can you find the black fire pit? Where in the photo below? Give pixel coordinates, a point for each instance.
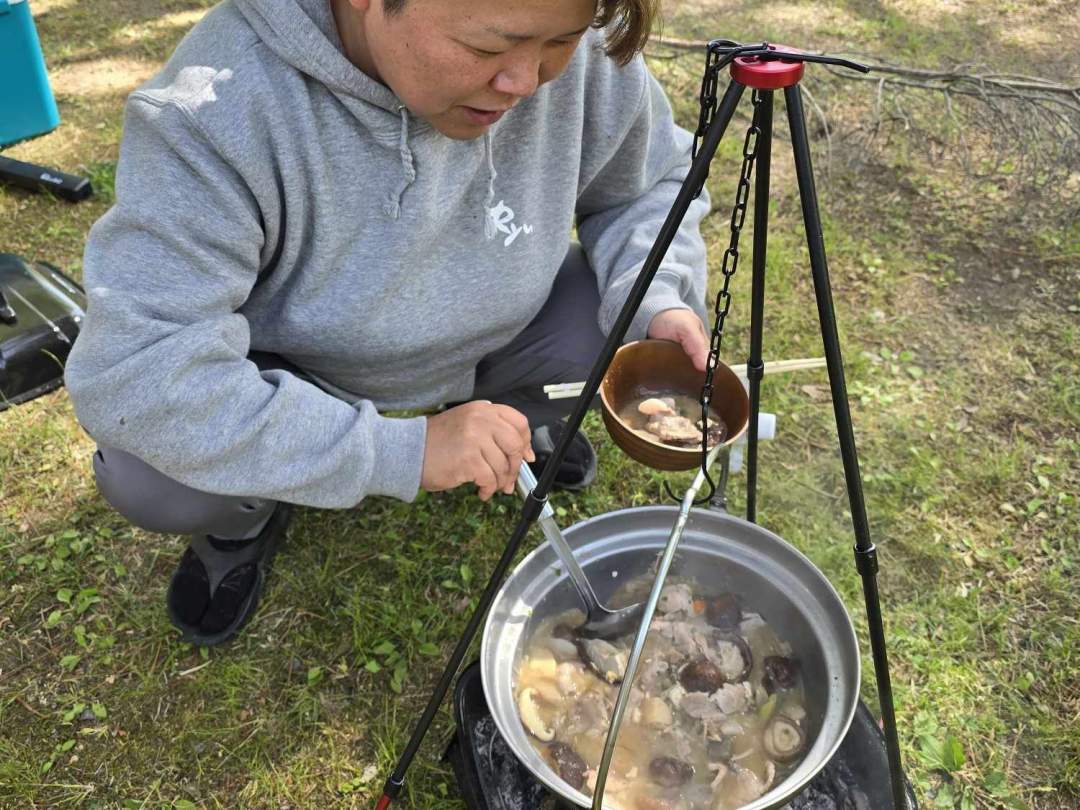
(491, 777)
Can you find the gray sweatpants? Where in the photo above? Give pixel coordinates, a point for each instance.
(560, 345)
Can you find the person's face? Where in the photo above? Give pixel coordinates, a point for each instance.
(460, 65)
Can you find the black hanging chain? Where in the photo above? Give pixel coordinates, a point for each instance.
(709, 82)
(727, 268)
(731, 255)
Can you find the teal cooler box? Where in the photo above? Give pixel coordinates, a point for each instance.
(27, 106)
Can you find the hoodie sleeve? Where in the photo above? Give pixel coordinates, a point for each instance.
(160, 369)
(622, 206)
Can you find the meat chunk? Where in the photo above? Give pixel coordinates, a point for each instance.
(733, 698)
(676, 599)
(701, 706)
(652, 670)
(674, 429)
(733, 656)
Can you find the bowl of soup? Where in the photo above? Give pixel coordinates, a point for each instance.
(651, 404)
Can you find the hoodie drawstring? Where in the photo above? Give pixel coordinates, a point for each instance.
(408, 166)
(392, 208)
(489, 214)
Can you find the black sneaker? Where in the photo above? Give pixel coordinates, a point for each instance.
(578, 467)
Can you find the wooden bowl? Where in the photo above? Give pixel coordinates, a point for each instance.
(662, 365)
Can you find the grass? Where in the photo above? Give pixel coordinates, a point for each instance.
(959, 326)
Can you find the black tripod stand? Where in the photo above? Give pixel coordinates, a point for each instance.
(766, 69)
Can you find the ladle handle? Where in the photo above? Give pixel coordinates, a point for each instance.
(526, 483)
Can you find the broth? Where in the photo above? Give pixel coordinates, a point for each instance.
(716, 716)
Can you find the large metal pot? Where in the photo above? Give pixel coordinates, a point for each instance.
(728, 554)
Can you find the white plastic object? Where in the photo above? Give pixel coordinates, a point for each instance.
(766, 432)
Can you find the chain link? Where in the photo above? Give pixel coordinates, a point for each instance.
(709, 82)
(730, 262)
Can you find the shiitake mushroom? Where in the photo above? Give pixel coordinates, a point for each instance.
(782, 738)
(780, 672)
(568, 764)
(701, 675)
(670, 772)
(724, 611)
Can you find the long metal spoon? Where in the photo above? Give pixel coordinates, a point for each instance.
(600, 622)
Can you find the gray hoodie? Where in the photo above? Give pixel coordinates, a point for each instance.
(270, 196)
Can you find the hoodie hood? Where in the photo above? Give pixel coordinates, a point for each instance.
(304, 34)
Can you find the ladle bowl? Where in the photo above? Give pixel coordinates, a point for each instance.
(662, 365)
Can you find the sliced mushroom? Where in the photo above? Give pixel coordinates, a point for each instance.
(654, 406)
(721, 771)
(782, 738)
(603, 658)
(670, 772)
(569, 764)
(530, 716)
(701, 676)
(723, 611)
(780, 673)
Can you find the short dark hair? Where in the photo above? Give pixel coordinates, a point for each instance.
(628, 24)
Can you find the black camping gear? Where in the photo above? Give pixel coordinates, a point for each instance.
(41, 312)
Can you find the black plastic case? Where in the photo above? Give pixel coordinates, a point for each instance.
(41, 313)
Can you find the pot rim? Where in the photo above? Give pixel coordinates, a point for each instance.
(780, 792)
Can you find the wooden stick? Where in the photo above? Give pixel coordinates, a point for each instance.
(573, 389)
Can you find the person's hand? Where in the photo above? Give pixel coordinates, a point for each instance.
(686, 329)
(479, 443)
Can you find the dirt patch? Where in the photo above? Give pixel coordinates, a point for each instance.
(98, 78)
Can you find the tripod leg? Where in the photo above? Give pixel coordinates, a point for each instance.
(865, 553)
(534, 504)
(754, 366)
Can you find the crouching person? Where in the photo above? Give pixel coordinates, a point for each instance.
(332, 209)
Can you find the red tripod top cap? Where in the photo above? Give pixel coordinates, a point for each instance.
(770, 74)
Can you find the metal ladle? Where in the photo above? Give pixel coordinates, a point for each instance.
(600, 622)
